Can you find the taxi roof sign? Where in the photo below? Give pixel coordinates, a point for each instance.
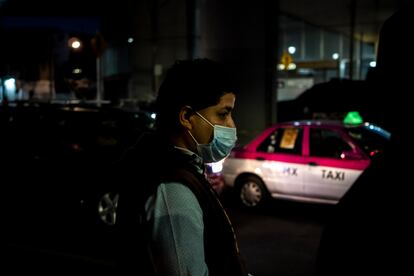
(353, 118)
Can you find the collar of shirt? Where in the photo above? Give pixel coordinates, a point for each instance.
(195, 160)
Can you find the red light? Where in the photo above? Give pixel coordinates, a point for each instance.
(373, 152)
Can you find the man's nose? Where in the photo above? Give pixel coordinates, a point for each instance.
(230, 123)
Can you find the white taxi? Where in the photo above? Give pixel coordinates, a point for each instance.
(312, 161)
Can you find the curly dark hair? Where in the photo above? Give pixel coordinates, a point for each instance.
(198, 83)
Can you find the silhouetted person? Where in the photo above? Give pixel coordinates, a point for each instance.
(370, 232)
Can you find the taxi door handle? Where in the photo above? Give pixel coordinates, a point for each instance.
(313, 164)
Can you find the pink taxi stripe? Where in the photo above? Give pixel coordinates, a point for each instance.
(298, 159)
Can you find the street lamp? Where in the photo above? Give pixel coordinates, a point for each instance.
(75, 43)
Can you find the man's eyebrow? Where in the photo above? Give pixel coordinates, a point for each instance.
(228, 108)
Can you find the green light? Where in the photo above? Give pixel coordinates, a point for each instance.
(352, 118)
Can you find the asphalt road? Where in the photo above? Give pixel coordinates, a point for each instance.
(280, 239)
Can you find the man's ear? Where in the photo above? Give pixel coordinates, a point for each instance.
(184, 116)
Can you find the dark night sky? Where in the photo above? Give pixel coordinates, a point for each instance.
(75, 15)
(27, 25)
(56, 8)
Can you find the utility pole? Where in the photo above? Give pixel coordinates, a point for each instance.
(99, 45)
(271, 59)
(352, 38)
(98, 82)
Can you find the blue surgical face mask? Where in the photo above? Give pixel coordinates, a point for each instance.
(220, 147)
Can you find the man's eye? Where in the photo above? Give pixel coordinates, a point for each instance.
(223, 115)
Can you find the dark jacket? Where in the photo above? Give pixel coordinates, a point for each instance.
(155, 162)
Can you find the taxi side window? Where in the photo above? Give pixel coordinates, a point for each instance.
(327, 143)
(283, 140)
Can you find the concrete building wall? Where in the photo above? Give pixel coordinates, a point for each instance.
(233, 32)
(160, 37)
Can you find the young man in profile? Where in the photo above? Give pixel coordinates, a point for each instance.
(186, 229)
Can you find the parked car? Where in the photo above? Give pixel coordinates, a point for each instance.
(68, 133)
(309, 161)
(60, 192)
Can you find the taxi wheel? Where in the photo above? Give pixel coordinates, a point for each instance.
(252, 191)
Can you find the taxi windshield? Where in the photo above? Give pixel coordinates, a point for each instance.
(372, 139)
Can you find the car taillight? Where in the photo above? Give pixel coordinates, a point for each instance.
(374, 152)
